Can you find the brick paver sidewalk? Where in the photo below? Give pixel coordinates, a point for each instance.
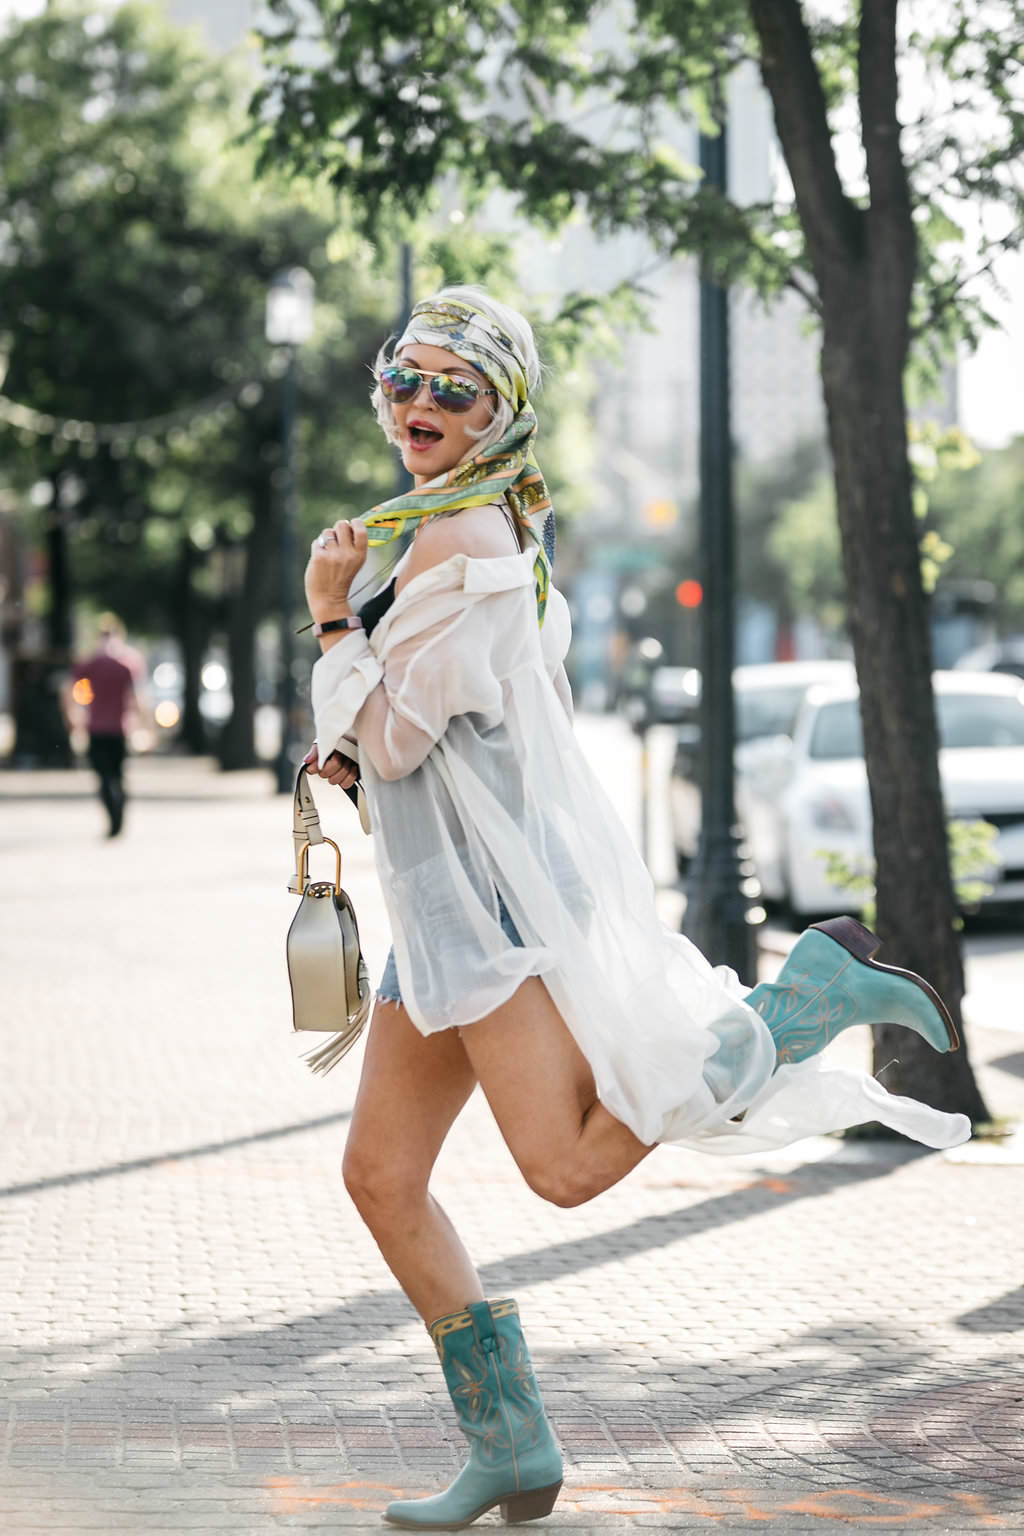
(198, 1335)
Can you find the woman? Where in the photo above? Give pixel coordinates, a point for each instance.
(528, 955)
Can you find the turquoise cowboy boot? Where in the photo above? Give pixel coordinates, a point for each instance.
(513, 1459)
(830, 981)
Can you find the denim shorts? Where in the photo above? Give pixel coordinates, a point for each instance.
(389, 990)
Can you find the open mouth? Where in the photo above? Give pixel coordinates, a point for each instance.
(424, 436)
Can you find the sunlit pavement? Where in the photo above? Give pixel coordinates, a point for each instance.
(199, 1335)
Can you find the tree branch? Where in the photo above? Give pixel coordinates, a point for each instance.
(831, 221)
(796, 282)
(947, 295)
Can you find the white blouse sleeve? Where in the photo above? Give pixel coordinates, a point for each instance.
(555, 637)
(398, 703)
(343, 678)
(442, 650)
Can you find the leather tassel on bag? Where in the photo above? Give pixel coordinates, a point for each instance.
(330, 983)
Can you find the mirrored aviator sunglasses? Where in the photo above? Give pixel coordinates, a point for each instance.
(452, 393)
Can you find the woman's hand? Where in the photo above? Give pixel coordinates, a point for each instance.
(335, 556)
(336, 769)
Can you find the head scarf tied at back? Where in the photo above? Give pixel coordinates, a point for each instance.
(507, 468)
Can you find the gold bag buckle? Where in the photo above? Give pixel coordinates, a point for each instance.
(304, 868)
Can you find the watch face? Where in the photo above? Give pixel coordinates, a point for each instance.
(333, 624)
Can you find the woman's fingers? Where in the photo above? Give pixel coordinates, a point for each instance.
(336, 769)
(335, 555)
(343, 780)
(343, 538)
(339, 770)
(356, 535)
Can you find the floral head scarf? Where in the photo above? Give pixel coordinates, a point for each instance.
(507, 468)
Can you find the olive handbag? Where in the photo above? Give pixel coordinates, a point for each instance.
(329, 980)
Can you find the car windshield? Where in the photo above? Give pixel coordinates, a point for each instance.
(767, 711)
(964, 719)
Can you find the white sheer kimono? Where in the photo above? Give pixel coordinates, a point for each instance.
(476, 787)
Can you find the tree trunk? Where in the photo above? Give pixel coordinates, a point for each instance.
(888, 620)
(192, 638)
(237, 746)
(58, 564)
(41, 731)
(864, 260)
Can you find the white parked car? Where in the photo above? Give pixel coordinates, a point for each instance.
(767, 697)
(1006, 655)
(815, 797)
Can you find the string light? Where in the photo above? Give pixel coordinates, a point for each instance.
(121, 435)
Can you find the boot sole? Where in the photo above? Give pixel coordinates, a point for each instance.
(863, 945)
(515, 1508)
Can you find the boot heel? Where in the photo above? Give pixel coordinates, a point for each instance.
(851, 935)
(530, 1506)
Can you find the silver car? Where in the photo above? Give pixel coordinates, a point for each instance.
(767, 697)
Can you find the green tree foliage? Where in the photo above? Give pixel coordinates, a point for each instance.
(805, 542)
(763, 493)
(581, 107)
(135, 252)
(978, 511)
(972, 858)
(971, 508)
(102, 123)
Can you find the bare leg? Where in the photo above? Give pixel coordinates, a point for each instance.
(568, 1147)
(411, 1090)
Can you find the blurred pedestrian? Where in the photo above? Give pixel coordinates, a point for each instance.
(528, 955)
(105, 685)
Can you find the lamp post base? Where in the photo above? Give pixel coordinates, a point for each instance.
(721, 918)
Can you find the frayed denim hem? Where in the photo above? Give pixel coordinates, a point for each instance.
(389, 990)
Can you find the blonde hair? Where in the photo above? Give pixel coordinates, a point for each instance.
(505, 319)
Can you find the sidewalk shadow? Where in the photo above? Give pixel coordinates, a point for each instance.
(1003, 1315)
(374, 1316)
(156, 1159)
(762, 1195)
(848, 1404)
(1014, 1063)
(860, 1413)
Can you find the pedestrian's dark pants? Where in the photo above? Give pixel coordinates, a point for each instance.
(106, 755)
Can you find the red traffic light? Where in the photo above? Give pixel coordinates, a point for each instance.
(689, 593)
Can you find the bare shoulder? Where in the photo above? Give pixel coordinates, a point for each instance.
(481, 532)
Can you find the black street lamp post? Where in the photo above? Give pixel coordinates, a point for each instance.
(289, 322)
(718, 907)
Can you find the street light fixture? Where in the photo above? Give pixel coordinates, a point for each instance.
(719, 911)
(289, 323)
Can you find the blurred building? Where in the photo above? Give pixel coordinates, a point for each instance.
(647, 408)
(225, 23)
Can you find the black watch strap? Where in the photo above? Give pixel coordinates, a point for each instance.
(329, 626)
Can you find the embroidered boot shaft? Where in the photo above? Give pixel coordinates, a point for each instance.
(513, 1460)
(830, 981)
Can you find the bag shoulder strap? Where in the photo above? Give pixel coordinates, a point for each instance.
(305, 822)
